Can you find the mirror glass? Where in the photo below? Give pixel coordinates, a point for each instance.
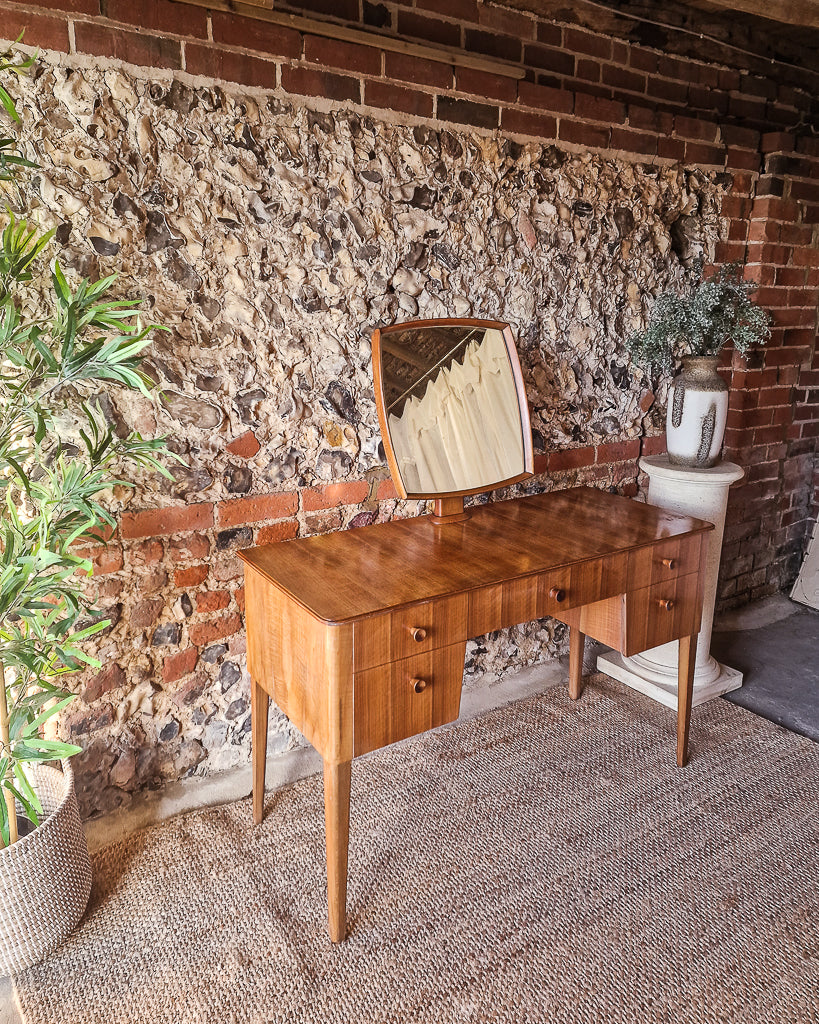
(452, 406)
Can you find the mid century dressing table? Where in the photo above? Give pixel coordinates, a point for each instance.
(360, 636)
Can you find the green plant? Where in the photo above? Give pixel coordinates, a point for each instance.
(57, 457)
(715, 311)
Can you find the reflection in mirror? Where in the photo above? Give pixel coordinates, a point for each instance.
(452, 406)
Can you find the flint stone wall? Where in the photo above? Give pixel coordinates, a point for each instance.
(270, 239)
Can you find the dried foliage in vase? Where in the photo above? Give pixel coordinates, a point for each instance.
(701, 321)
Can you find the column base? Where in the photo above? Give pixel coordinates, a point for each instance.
(665, 691)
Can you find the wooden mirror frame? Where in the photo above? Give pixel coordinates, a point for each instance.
(449, 505)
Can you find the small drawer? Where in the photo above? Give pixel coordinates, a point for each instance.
(663, 612)
(407, 697)
(665, 561)
(407, 631)
(581, 584)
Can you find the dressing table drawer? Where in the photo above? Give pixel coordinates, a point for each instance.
(664, 561)
(663, 612)
(407, 697)
(582, 583)
(415, 629)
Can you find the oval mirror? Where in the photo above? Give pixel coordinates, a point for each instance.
(452, 406)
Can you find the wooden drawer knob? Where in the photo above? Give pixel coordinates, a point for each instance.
(418, 634)
(669, 563)
(666, 604)
(418, 685)
(557, 594)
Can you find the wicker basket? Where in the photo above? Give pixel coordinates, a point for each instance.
(45, 877)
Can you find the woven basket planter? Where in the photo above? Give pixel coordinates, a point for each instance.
(45, 877)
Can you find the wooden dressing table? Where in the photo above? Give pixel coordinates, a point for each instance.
(360, 636)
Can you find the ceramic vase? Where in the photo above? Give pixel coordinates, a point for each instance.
(697, 411)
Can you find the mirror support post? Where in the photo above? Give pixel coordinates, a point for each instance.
(449, 510)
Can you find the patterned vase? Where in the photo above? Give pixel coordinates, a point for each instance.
(697, 410)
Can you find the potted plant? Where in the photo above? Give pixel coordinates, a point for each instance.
(688, 331)
(57, 457)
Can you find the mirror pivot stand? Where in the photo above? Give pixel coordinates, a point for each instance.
(449, 510)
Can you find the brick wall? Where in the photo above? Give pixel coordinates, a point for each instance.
(579, 89)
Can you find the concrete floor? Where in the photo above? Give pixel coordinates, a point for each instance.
(775, 643)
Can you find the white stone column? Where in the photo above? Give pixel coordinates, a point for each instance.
(702, 493)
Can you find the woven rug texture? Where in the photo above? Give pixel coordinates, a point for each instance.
(546, 863)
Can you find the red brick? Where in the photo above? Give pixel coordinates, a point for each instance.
(583, 134)
(212, 600)
(39, 29)
(547, 32)
(104, 560)
(618, 451)
(194, 545)
(190, 577)
(463, 10)
(251, 34)
(648, 119)
(181, 664)
(417, 70)
(238, 511)
(132, 47)
(202, 633)
(559, 101)
(547, 58)
(466, 112)
(654, 445)
(588, 70)
(584, 42)
(645, 60)
(512, 23)
(697, 153)
(333, 495)
(481, 83)
(633, 142)
(74, 6)
(570, 458)
(212, 62)
(386, 490)
(777, 142)
(596, 109)
(391, 97)
(323, 522)
(155, 522)
(742, 159)
(333, 53)
(619, 78)
(245, 445)
(110, 678)
(503, 47)
(310, 82)
(239, 595)
(418, 26)
(149, 552)
(521, 122)
(276, 532)
(160, 16)
(671, 149)
(695, 128)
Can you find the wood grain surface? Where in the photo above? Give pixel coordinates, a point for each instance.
(341, 577)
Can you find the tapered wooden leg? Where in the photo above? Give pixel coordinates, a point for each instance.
(337, 833)
(685, 691)
(259, 706)
(577, 641)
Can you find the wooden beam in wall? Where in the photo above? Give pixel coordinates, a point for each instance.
(804, 13)
(260, 10)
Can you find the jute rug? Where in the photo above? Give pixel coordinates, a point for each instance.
(544, 863)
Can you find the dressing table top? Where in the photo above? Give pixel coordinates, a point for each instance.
(353, 574)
